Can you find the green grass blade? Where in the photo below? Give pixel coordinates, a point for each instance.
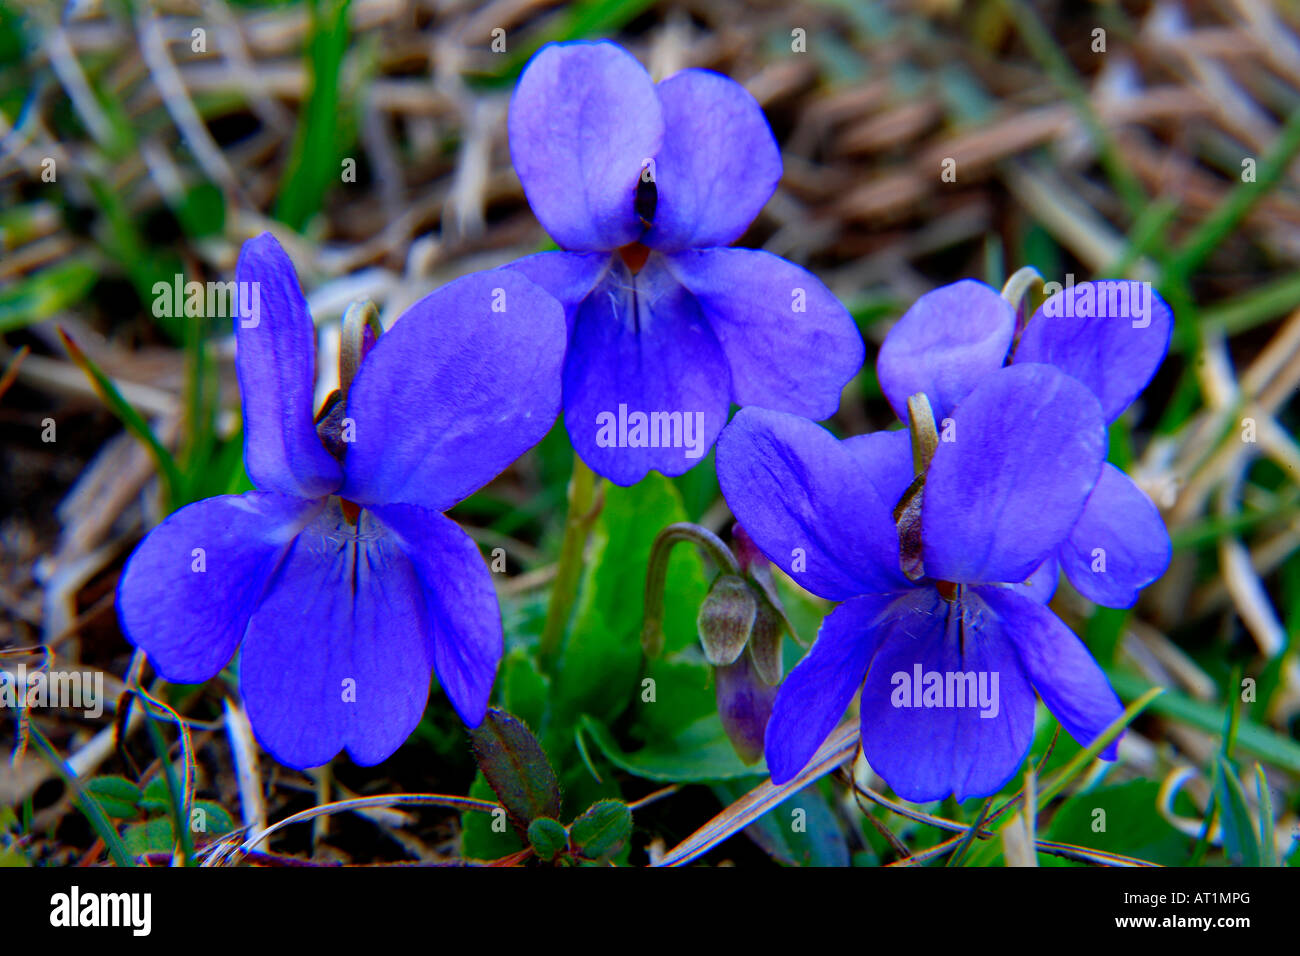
(132, 419)
(92, 810)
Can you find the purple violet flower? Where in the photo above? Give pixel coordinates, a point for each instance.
(643, 185)
(1111, 336)
(950, 657)
(341, 577)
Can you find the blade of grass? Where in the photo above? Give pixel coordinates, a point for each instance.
(1239, 202)
(1079, 761)
(1045, 49)
(1267, 839)
(314, 161)
(87, 805)
(1240, 842)
(135, 424)
(1260, 742)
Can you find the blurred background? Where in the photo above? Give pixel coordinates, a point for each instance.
(923, 142)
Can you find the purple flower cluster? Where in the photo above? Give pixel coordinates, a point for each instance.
(346, 586)
(944, 574)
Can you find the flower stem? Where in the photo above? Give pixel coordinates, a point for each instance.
(584, 506)
(652, 632)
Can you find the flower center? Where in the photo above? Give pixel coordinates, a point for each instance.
(634, 256)
(351, 511)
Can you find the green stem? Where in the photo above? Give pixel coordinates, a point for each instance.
(583, 509)
(652, 632)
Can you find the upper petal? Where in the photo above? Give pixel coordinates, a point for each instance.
(814, 695)
(186, 594)
(887, 458)
(944, 345)
(808, 504)
(1010, 477)
(1072, 685)
(338, 653)
(276, 362)
(465, 382)
(718, 163)
(1119, 545)
(971, 734)
(645, 382)
(1110, 335)
(464, 616)
(791, 345)
(584, 120)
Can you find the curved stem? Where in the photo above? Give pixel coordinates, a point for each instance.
(583, 508)
(652, 630)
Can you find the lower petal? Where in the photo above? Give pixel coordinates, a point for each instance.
(646, 385)
(338, 653)
(946, 708)
(814, 696)
(186, 594)
(464, 616)
(1072, 685)
(1119, 545)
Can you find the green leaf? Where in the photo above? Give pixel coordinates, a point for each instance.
(601, 832)
(548, 838)
(88, 806)
(202, 211)
(523, 688)
(1122, 819)
(700, 752)
(516, 766)
(599, 668)
(210, 819)
(155, 836)
(156, 798)
(802, 830)
(1240, 843)
(684, 692)
(118, 796)
(44, 293)
(485, 836)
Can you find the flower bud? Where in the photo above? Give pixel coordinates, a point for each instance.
(726, 619)
(745, 705)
